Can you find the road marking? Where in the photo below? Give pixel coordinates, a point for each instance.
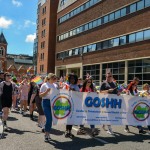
(98, 139)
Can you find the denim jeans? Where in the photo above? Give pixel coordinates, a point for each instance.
(47, 112)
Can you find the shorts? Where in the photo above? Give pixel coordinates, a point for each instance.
(24, 97)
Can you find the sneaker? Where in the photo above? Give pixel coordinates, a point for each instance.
(71, 135)
(20, 111)
(24, 113)
(110, 132)
(67, 134)
(5, 126)
(81, 131)
(95, 132)
(47, 138)
(126, 130)
(142, 132)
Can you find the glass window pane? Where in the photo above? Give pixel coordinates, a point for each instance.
(122, 40)
(87, 5)
(139, 36)
(140, 5)
(76, 51)
(94, 23)
(81, 8)
(111, 17)
(131, 63)
(99, 46)
(81, 29)
(99, 22)
(146, 62)
(86, 27)
(90, 25)
(111, 43)
(93, 47)
(131, 70)
(132, 38)
(138, 69)
(146, 34)
(70, 34)
(133, 8)
(116, 42)
(117, 14)
(85, 49)
(70, 53)
(147, 3)
(146, 69)
(74, 32)
(105, 44)
(123, 12)
(89, 48)
(105, 19)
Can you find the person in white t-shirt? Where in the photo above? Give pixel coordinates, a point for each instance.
(45, 94)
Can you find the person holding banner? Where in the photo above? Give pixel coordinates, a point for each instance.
(108, 87)
(87, 87)
(132, 90)
(73, 79)
(45, 94)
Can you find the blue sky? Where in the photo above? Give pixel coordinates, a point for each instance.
(18, 23)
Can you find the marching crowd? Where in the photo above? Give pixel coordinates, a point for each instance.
(21, 94)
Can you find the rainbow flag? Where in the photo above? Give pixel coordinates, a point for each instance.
(37, 80)
(28, 70)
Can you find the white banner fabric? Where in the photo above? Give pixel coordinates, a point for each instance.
(79, 108)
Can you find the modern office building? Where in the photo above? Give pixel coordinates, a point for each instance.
(46, 35)
(93, 35)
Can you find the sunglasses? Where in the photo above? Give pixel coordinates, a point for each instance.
(8, 75)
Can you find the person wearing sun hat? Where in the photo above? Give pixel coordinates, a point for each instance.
(45, 94)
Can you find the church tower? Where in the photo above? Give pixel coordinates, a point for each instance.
(3, 52)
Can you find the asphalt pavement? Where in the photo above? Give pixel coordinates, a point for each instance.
(24, 134)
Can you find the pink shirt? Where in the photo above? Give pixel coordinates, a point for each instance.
(24, 89)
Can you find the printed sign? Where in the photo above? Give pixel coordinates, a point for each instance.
(77, 108)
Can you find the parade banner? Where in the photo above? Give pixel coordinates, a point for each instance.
(79, 108)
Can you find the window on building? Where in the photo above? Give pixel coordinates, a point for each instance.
(105, 44)
(76, 51)
(85, 49)
(147, 3)
(86, 27)
(1, 51)
(139, 36)
(117, 14)
(89, 48)
(132, 38)
(90, 25)
(70, 53)
(147, 34)
(123, 40)
(99, 22)
(140, 5)
(105, 19)
(99, 46)
(133, 8)
(123, 12)
(111, 17)
(93, 47)
(116, 42)
(94, 23)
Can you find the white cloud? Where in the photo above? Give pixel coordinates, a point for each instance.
(27, 23)
(16, 3)
(5, 23)
(30, 38)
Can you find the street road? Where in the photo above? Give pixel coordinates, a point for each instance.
(24, 134)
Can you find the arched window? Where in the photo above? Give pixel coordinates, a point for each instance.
(2, 51)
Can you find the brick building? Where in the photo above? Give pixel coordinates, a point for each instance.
(93, 35)
(15, 64)
(46, 35)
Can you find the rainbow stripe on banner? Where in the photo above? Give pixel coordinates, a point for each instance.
(37, 80)
(28, 70)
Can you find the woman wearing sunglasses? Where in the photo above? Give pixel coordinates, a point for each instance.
(45, 94)
(6, 92)
(87, 87)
